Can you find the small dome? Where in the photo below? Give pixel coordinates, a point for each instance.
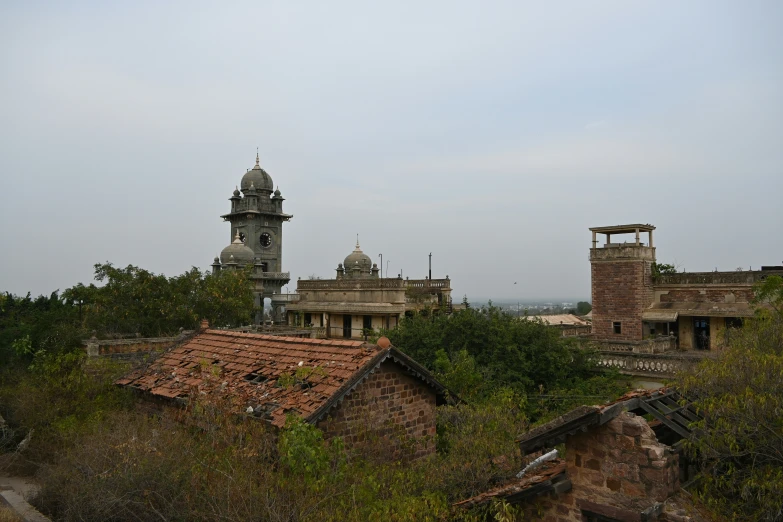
(258, 178)
(277, 192)
(237, 252)
(236, 191)
(357, 258)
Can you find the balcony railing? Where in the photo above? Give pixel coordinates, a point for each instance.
(427, 284)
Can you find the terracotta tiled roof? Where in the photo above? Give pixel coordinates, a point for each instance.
(249, 367)
(661, 404)
(544, 476)
(559, 319)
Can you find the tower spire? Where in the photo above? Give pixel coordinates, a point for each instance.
(257, 165)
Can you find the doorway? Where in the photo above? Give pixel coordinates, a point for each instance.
(347, 326)
(701, 333)
(366, 325)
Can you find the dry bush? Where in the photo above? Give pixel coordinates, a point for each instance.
(135, 467)
(9, 515)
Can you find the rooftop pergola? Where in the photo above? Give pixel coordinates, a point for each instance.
(623, 229)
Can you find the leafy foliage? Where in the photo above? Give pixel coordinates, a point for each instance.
(583, 308)
(131, 301)
(740, 395)
(28, 325)
(478, 351)
(659, 269)
(136, 300)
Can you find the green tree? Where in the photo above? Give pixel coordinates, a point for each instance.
(740, 395)
(658, 269)
(497, 348)
(134, 300)
(583, 308)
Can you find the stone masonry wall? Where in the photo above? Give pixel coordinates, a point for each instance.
(621, 290)
(705, 295)
(391, 405)
(617, 470)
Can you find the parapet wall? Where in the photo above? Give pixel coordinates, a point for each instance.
(131, 349)
(716, 278)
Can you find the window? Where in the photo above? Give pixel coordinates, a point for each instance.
(617, 326)
(733, 322)
(308, 319)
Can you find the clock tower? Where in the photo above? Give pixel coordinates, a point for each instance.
(256, 237)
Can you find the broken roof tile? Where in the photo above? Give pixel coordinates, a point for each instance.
(229, 362)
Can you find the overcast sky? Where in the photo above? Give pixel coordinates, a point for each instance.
(492, 134)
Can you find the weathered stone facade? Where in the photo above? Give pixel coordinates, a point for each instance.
(621, 290)
(389, 404)
(617, 470)
(358, 301)
(256, 238)
(688, 311)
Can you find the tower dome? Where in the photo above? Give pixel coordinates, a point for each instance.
(237, 252)
(257, 177)
(357, 258)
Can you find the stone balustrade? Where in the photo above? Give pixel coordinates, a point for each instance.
(426, 284)
(286, 298)
(660, 344)
(648, 365)
(272, 275)
(350, 284)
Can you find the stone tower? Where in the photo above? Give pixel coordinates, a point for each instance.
(256, 237)
(621, 277)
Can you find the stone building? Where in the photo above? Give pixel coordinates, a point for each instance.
(359, 300)
(347, 388)
(256, 237)
(616, 465)
(636, 310)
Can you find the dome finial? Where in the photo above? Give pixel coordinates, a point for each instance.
(257, 160)
(357, 241)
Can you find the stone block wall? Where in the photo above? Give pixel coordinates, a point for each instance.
(704, 295)
(617, 470)
(621, 290)
(137, 350)
(391, 407)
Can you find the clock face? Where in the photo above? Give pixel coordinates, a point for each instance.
(265, 239)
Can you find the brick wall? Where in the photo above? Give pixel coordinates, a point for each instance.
(391, 407)
(621, 290)
(617, 470)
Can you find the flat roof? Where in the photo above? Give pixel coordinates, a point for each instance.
(623, 229)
